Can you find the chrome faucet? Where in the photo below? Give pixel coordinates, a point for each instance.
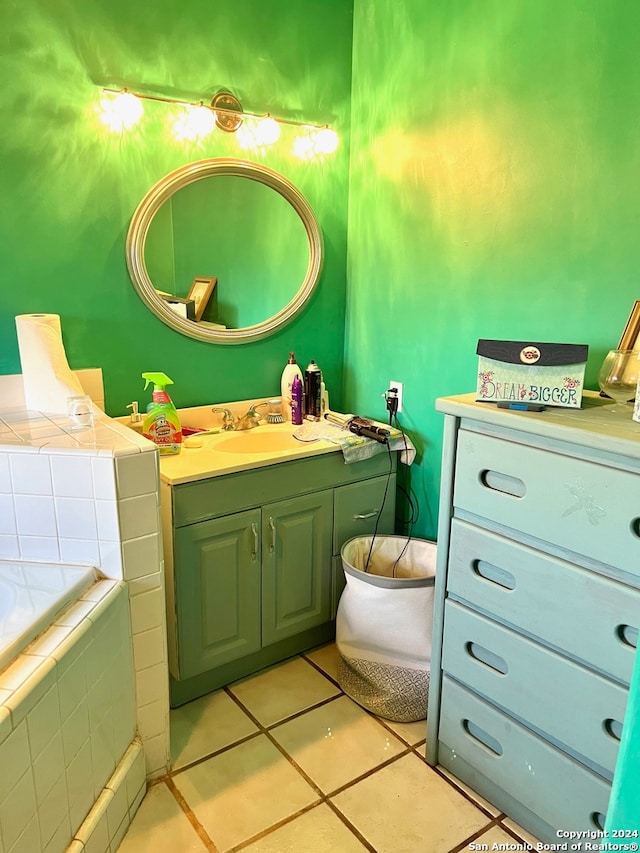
(228, 421)
(251, 419)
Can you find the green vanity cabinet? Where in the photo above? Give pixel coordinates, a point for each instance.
(252, 562)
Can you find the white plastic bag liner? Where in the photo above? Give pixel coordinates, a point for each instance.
(384, 625)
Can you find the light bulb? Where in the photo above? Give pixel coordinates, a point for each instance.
(247, 135)
(325, 141)
(303, 147)
(121, 112)
(268, 131)
(194, 123)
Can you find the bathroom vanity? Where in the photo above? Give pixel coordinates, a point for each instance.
(252, 548)
(537, 606)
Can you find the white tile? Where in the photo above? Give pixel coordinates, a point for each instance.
(76, 518)
(107, 516)
(30, 474)
(102, 753)
(9, 547)
(29, 840)
(104, 478)
(94, 833)
(137, 475)
(152, 719)
(75, 731)
(151, 684)
(43, 722)
(117, 810)
(72, 477)
(17, 809)
(6, 724)
(79, 785)
(138, 516)
(141, 556)
(136, 777)
(35, 515)
(84, 551)
(7, 515)
(110, 559)
(61, 835)
(161, 826)
(145, 584)
(318, 830)
(14, 758)
(39, 548)
(156, 755)
(47, 772)
(149, 648)
(147, 611)
(5, 476)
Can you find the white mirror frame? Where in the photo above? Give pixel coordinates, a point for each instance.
(182, 177)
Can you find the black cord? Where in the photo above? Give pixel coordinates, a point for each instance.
(414, 507)
(384, 499)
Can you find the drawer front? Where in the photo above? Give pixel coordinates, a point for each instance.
(356, 509)
(563, 793)
(563, 700)
(589, 508)
(587, 615)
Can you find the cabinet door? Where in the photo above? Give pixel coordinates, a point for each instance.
(217, 578)
(296, 565)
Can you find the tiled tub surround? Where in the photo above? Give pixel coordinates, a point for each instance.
(71, 768)
(31, 596)
(91, 497)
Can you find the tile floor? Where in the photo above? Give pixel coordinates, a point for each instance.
(284, 762)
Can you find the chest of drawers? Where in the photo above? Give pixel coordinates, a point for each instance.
(537, 607)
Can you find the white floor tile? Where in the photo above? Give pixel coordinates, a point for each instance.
(243, 791)
(205, 726)
(283, 690)
(316, 831)
(326, 657)
(160, 826)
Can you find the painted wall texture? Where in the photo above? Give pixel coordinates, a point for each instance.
(494, 191)
(68, 188)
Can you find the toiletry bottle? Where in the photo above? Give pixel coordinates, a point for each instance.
(296, 401)
(291, 369)
(161, 423)
(313, 392)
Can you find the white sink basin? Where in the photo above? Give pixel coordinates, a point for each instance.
(254, 441)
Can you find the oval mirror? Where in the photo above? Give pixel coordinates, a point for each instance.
(224, 250)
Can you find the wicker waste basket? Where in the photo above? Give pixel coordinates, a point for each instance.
(384, 625)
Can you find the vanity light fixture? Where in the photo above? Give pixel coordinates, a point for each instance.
(122, 109)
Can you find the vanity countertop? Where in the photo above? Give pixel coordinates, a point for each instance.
(594, 425)
(224, 453)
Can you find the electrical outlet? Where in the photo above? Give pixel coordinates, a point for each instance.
(398, 386)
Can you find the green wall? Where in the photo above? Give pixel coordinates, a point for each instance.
(495, 179)
(68, 188)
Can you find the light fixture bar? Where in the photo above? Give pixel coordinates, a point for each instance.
(215, 107)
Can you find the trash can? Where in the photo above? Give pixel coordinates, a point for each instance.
(384, 624)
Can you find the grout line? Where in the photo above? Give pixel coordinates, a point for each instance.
(213, 754)
(462, 792)
(464, 845)
(266, 832)
(351, 827)
(193, 820)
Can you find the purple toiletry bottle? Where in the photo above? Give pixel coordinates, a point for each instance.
(296, 401)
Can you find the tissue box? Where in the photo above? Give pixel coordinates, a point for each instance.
(527, 372)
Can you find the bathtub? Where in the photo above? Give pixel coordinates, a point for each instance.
(31, 596)
(73, 768)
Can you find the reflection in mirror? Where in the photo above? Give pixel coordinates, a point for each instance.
(241, 233)
(235, 223)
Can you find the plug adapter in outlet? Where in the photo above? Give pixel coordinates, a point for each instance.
(398, 386)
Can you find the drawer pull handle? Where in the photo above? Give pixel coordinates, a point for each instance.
(635, 526)
(498, 482)
(360, 516)
(254, 530)
(488, 658)
(598, 820)
(628, 635)
(272, 546)
(484, 738)
(494, 574)
(613, 728)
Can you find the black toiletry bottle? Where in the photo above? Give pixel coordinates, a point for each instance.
(313, 392)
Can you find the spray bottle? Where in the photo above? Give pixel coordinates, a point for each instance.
(161, 423)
